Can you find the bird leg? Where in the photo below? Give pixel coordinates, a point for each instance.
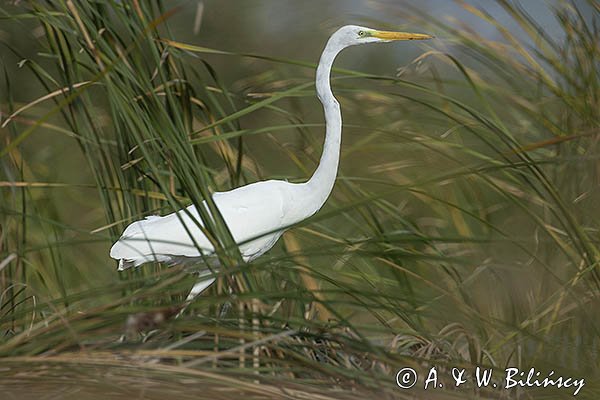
(203, 282)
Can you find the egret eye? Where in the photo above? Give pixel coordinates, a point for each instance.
(361, 33)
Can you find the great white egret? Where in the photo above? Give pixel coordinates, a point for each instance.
(256, 214)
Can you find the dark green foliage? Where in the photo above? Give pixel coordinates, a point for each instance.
(463, 229)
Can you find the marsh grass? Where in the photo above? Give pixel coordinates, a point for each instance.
(462, 231)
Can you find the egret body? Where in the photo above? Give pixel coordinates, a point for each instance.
(256, 214)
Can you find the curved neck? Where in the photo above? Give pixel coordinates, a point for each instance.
(321, 183)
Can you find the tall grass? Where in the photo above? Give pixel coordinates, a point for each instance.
(463, 229)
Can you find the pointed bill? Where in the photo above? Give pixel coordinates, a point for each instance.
(387, 35)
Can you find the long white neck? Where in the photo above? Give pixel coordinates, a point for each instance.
(320, 185)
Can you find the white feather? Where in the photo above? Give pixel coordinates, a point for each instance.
(256, 214)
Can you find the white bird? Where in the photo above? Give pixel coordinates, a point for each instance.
(256, 214)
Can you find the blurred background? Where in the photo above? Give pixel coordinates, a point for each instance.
(462, 231)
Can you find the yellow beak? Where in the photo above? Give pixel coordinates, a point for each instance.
(386, 35)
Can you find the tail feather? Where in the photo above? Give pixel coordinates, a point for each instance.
(161, 239)
(137, 227)
(133, 247)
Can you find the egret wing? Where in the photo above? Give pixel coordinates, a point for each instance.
(253, 214)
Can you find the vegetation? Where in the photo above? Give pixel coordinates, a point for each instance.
(462, 232)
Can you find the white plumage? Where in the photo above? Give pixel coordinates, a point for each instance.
(256, 214)
(255, 224)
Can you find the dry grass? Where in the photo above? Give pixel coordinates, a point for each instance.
(463, 229)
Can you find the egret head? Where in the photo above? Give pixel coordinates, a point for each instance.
(351, 35)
